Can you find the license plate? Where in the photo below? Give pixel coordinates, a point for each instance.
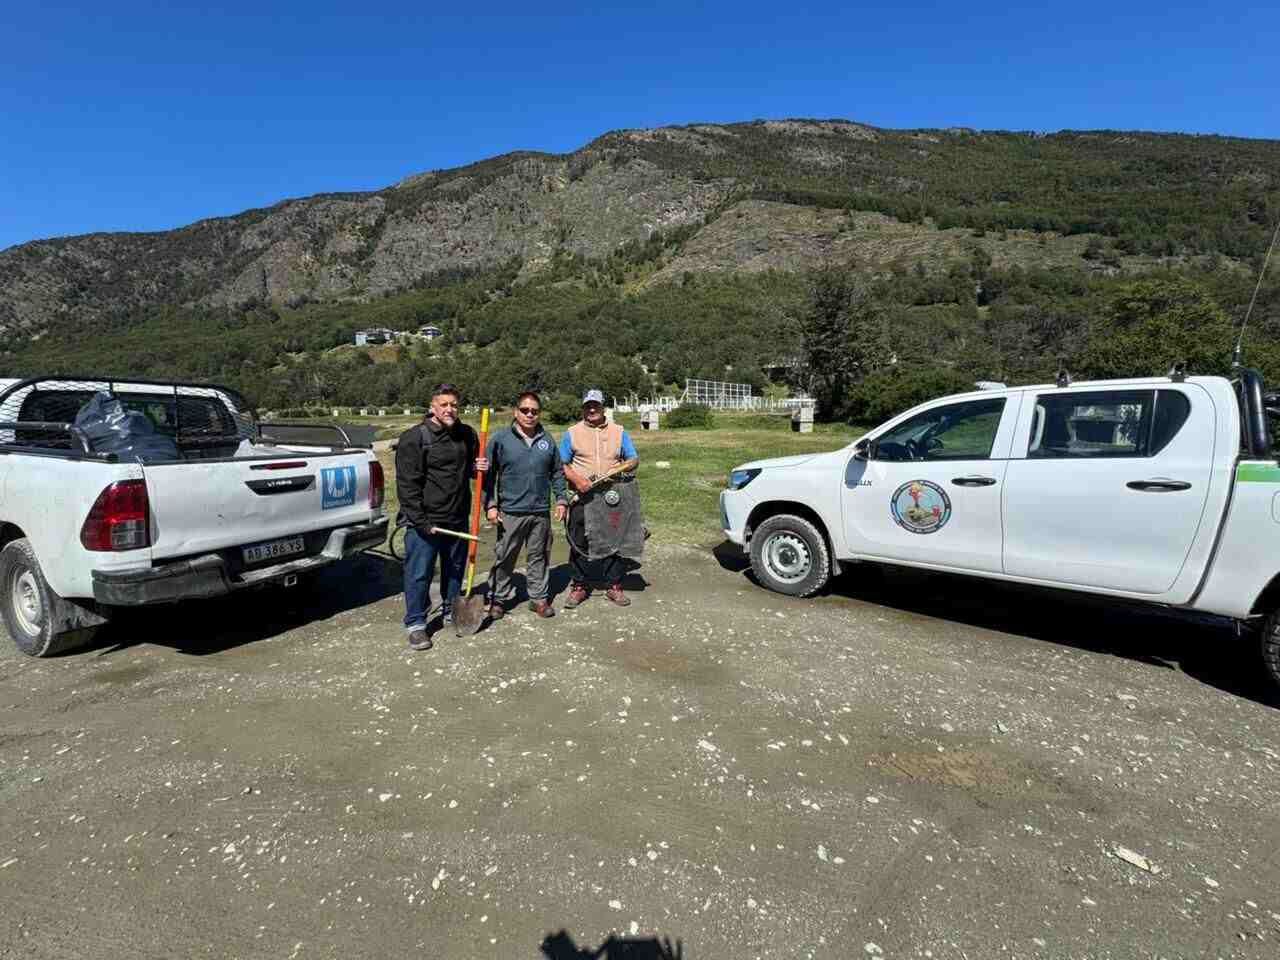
(273, 549)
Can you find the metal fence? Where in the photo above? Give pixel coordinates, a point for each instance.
(717, 393)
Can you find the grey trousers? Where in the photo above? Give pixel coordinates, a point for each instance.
(513, 533)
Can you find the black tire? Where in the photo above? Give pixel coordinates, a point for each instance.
(27, 604)
(1270, 650)
(789, 555)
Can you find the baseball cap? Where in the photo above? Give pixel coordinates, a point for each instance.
(593, 396)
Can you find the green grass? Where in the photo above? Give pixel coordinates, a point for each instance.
(681, 503)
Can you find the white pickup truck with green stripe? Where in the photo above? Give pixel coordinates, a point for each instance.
(1159, 490)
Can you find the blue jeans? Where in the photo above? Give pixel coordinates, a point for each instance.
(419, 566)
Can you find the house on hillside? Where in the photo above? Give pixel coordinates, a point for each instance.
(430, 332)
(374, 335)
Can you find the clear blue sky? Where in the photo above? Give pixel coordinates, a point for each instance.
(145, 116)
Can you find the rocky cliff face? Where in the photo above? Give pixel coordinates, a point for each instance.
(355, 246)
(1157, 195)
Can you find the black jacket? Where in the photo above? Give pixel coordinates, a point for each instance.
(431, 478)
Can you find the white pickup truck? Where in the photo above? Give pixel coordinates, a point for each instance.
(1164, 491)
(238, 504)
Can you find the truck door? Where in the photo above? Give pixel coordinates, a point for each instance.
(1107, 488)
(929, 490)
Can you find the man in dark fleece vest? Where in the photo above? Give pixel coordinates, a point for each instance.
(526, 469)
(434, 462)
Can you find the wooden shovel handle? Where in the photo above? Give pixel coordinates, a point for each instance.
(475, 503)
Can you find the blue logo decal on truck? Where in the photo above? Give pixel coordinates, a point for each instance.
(337, 487)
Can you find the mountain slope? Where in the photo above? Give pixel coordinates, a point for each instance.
(1153, 195)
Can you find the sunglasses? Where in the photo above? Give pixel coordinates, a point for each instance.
(529, 411)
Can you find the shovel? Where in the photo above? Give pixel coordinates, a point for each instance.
(468, 611)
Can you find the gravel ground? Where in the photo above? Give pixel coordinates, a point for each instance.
(911, 766)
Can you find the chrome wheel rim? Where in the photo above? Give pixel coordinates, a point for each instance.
(787, 557)
(25, 602)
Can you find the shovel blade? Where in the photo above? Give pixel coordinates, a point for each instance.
(468, 614)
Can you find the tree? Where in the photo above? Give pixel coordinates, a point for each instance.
(1150, 325)
(891, 390)
(845, 335)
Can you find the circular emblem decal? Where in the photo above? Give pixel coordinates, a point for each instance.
(543, 445)
(612, 497)
(920, 506)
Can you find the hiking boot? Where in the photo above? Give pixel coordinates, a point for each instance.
(497, 611)
(420, 640)
(615, 595)
(542, 608)
(577, 594)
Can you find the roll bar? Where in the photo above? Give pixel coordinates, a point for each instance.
(1255, 436)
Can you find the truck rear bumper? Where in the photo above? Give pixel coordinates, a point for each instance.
(208, 576)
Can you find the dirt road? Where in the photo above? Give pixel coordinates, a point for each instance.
(911, 766)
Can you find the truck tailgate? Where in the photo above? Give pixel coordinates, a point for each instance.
(202, 506)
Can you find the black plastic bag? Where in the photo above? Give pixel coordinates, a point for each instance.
(111, 428)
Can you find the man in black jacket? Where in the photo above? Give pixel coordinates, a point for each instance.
(434, 462)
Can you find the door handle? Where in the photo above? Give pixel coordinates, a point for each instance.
(974, 481)
(1158, 485)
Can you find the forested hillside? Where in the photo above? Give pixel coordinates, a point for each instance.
(866, 265)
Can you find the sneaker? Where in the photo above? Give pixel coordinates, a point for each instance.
(420, 640)
(497, 611)
(577, 594)
(542, 608)
(615, 595)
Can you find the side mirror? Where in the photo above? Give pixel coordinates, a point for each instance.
(862, 450)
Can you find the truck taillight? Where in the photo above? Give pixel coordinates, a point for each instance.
(118, 519)
(377, 485)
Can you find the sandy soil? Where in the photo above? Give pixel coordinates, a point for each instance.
(910, 766)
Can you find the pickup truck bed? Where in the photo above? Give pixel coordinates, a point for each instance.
(83, 531)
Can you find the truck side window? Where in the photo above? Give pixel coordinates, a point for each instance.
(1172, 410)
(1121, 423)
(958, 431)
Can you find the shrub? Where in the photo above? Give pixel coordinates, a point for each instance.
(693, 416)
(303, 413)
(561, 408)
(891, 390)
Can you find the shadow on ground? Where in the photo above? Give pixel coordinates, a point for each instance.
(558, 580)
(202, 627)
(1201, 646)
(560, 946)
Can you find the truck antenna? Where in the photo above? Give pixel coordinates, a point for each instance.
(1235, 355)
